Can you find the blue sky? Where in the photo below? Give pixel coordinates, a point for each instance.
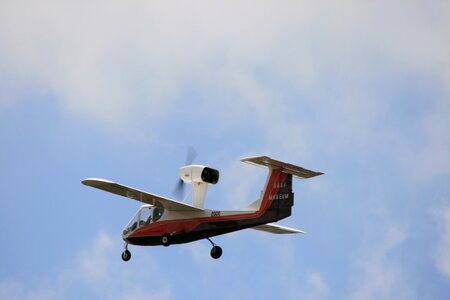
(357, 89)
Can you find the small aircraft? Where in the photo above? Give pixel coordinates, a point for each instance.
(163, 221)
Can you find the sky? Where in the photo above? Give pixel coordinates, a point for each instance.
(359, 90)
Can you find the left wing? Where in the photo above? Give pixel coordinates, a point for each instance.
(272, 228)
(138, 195)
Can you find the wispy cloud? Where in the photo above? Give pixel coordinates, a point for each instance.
(442, 248)
(309, 77)
(311, 286)
(94, 273)
(94, 263)
(110, 62)
(380, 276)
(15, 290)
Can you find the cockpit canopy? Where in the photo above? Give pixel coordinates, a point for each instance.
(145, 215)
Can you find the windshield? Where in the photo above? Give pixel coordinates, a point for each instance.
(144, 216)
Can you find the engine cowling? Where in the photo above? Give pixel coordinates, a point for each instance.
(198, 174)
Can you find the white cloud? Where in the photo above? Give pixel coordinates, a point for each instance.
(17, 291)
(94, 264)
(200, 253)
(111, 61)
(442, 249)
(101, 268)
(239, 193)
(430, 155)
(96, 272)
(311, 77)
(381, 277)
(317, 288)
(312, 286)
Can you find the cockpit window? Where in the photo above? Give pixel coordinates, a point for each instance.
(157, 213)
(144, 216)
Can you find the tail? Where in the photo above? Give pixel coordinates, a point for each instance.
(277, 197)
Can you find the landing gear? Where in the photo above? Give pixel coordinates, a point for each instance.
(165, 240)
(126, 255)
(216, 251)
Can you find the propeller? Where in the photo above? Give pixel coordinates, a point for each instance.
(178, 192)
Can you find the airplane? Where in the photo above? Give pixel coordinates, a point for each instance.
(163, 221)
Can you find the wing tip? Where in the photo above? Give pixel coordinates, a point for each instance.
(277, 229)
(89, 181)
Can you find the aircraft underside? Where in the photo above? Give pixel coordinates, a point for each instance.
(203, 231)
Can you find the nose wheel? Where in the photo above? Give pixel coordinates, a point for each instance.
(126, 255)
(216, 251)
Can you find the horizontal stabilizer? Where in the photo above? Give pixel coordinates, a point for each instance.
(265, 161)
(138, 195)
(272, 228)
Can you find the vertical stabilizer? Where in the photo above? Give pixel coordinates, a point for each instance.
(277, 197)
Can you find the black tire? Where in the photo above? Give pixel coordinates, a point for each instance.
(126, 255)
(165, 240)
(216, 252)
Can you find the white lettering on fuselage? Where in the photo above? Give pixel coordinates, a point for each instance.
(278, 185)
(278, 196)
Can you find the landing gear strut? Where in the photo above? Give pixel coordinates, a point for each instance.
(216, 251)
(126, 255)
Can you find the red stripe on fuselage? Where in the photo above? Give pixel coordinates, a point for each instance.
(187, 225)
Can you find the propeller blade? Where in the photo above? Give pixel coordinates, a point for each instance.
(179, 189)
(190, 156)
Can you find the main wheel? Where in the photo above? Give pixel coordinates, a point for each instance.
(216, 252)
(126, 255)
(165, 240)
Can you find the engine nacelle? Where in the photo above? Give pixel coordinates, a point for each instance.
(199, 177)
(198, 174)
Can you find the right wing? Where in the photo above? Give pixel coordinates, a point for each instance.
(138, 195)
(272, 228)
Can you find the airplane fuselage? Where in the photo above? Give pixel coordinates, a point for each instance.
(183, 227)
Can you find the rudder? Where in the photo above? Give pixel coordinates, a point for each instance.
(277, 198)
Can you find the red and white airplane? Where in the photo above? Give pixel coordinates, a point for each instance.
(163, 221)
